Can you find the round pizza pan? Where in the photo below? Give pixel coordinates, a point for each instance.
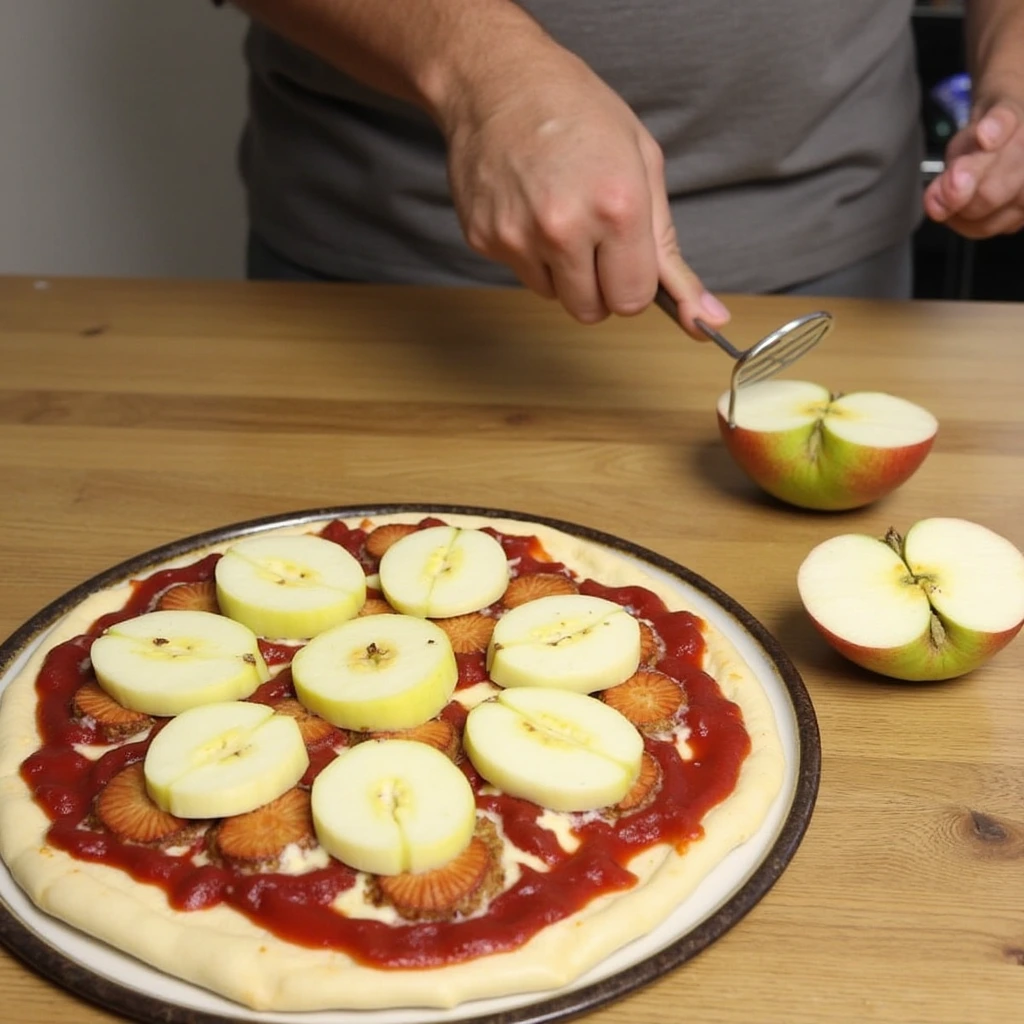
(56, 952)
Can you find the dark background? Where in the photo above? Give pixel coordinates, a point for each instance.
(947, 266)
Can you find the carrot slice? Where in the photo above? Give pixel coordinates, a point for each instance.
(437, 733)
(384, 536)
(648, 698)
(314, 729)
(116, 722)
(444, 891)
(376, 606)
(190, 597)
(258, 838)
(127, 810)
(645, 788)
(469, 633)
(652, 650)
(534, 585)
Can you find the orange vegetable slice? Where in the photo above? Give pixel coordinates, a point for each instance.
(457, 887)
(257, 838)
(649, 699)
(126, 809)
(534, 585)
(115, 722)
(190, 597)
(469, 633)
(381, 538)
(313, 728)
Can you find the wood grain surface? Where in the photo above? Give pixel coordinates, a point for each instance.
(133, 413)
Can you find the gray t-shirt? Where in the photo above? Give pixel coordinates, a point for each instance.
(790, 130)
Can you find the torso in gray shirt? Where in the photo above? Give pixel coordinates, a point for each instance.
(790, 130)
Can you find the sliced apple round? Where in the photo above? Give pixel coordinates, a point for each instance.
(390, 806)
(163, 663)
(289, 587)
(443, 571)
(932, 606)
(815, 450)
(561, 749)
(570, 641)
(223, 759)
(377, 672)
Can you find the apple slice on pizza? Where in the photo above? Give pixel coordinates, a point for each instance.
(406, 761)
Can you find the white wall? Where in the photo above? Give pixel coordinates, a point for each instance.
(119, 121)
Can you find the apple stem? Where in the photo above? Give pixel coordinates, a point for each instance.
(814, 441)
(924, 581)
(894, 540)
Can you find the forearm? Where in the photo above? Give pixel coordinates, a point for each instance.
(550, 171)
(994, 32)
(432, 53)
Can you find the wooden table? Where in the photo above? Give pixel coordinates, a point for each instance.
(135, 413)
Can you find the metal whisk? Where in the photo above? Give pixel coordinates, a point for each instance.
(765, 358)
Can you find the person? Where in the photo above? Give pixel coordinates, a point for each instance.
(582, 148)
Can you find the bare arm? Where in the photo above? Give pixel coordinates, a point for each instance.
(981, 191)
(551, 172)
(425, 52)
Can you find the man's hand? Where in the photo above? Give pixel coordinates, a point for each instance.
(553, 175)
(981, 191)
(551, 172)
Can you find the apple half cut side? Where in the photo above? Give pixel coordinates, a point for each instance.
(932, 606)
(807, 447)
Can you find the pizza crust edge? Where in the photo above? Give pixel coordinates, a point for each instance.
(235, 958)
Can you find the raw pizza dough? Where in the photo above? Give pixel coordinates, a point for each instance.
(223, 951)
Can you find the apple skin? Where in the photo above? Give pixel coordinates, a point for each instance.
(812, 448)
(920, 661)
(933, 605)
(831, 476)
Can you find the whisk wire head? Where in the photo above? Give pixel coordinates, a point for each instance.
(768, 356)
(775, 352)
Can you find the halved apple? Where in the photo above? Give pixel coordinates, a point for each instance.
(932, 606)
(816, 450)
(558, 748)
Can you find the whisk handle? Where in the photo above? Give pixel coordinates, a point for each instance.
(724, 344)
(669, 306)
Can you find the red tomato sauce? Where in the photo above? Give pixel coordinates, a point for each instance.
(298, 908)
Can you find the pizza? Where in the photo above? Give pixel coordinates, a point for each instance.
(536, 754)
